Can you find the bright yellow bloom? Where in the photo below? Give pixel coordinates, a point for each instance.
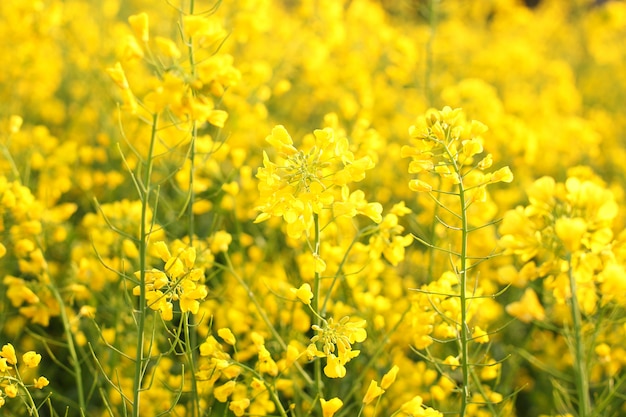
(217, 118)
(528, 308)
(11, 390)
(227, 335)
(162, 250)
(413, 407)
(571, 232)
(31, 359)
(479, 335)
(303, 293)
(334, 367)
(41, 382)
(390, 377)
(373, 392)
(339, 335)
(4, 366)
(420, 186)
(388, 239)
(502, 175)
(167, 47)
(205, 29)
(266, 363)
(452, 361)
(118, 75)
(220, 241)
(303, 182)
(139, 24)
(445, 145)
(180, 282)
(490, 371)
(238, 407)
(613, 284)
(8, 352)
(224, 391)
(330, 407)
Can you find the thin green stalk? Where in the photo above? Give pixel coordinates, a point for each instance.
(144, 234)
(190, 338)
(71, 347)
(462, 274)
(270, 389)
(580, 364)
(433, 233)
(465, 336)
(33, 410)
(316, 302)
(230, 268)
(361, 233)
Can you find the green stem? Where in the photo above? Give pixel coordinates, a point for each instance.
(71, 347)
(316, 303)
(144, 233)
(465, 334)
(361, 233)
(190, 337)
(230, 268)
(462, 274)
(433, 232)
(33, 410)
(580, 364)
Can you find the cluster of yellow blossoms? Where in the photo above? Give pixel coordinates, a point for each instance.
(12, 381)
(186, 92)
(447, 146)
(303, 182)
(179, 281)
(566, 226)
(337, 337)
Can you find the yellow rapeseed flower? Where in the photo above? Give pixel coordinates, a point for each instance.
(8, 352)
(330, 407)
(303, 293)
(373, 392)
(303, 182)
(41, 382)
(31, 359)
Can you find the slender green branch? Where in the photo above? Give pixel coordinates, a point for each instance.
(71, 347)
(191, 337)
(316, 303)
(465, 335)
(230, 268)
(144, 234)
(358, 235)
(580, 364)
(464, 313)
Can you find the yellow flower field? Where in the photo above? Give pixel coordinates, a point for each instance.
(313, 208)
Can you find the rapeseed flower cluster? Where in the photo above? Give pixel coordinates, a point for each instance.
(305, 181)
(337, 339)
(179, 281)
(13, 382)
(447, 146)
(567, 226)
